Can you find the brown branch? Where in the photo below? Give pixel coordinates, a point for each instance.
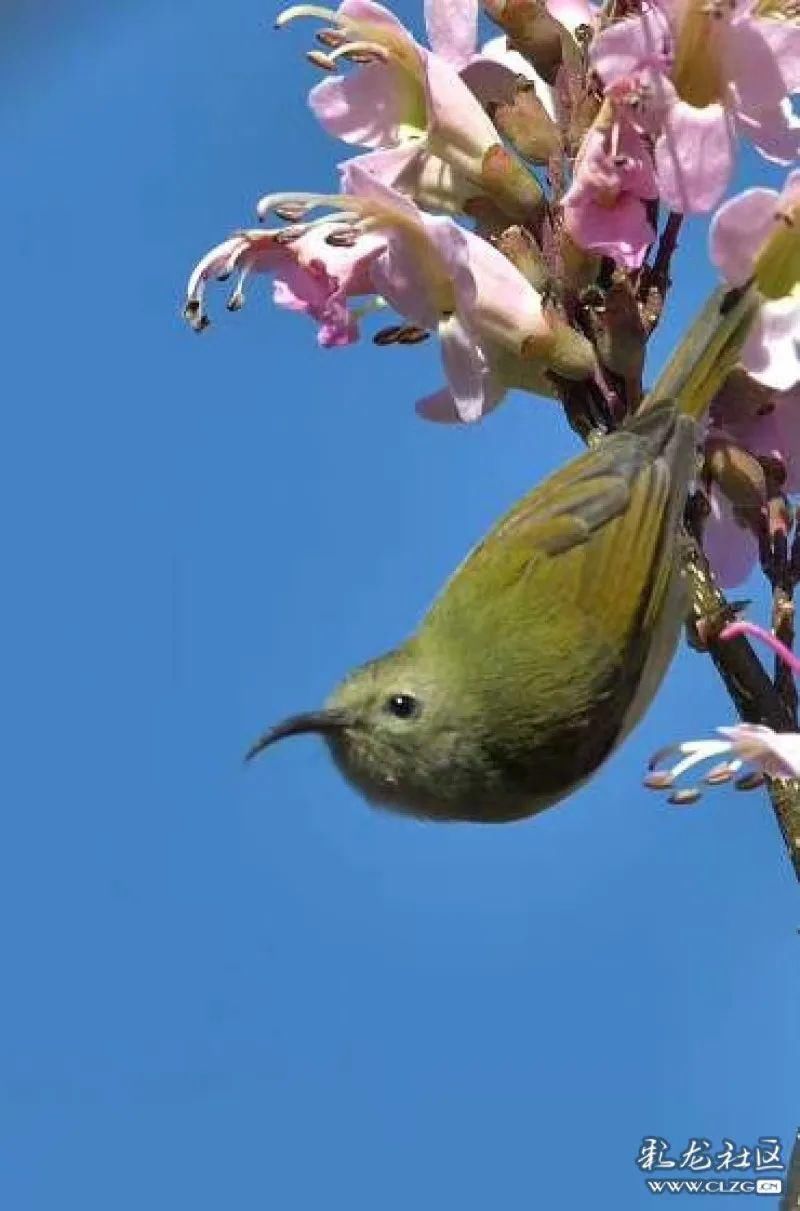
(755, 697)
(667, 246)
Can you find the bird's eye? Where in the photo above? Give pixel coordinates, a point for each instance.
(402, 706)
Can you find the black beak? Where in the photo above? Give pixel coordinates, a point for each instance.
(296, 725)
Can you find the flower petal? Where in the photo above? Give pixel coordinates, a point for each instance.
(492, 75)
(694, 156)
(370, 106)
(774, 132)
(466, 369)
(771, 353)
(369, 13)
(410, 169)
(458, 125)
(501, 303)
(440, 407)
(452, 27)
(776, 753)
(627, 45)
(783, 40)
(621, 231)
(402, 279)
(752, 63)
(731, 550)
(738, 230)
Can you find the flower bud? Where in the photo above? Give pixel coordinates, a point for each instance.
(579, 267)
(740, 477)
(534, 33)
(516, 189)
(527, 125)
(519, 246)
(619, 333)
(566, 351)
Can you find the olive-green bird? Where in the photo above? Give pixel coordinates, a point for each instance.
(544, 648)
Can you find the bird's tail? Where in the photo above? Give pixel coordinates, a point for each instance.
(708, 352)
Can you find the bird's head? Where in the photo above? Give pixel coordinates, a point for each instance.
(393, 731)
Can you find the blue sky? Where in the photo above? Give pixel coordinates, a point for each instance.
(243, 988)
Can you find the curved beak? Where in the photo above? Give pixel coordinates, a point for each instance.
(312, 721)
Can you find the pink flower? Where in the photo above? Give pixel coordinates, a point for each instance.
(381, 102)
(444, 170)
(445, 279)
(314, 275)
(766, 424)
(604, 208)
(491, 72)
(321, 277)
(762, 751)
(717, 70)
(767, 753)
(398, 91)
(412, 170)
(243, 253)
(452, 28)
(761, 420)
(401, 96)
(490, 321)
(739, 238)
(729, 546)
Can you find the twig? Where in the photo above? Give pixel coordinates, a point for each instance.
(667, 246)
(752, 692)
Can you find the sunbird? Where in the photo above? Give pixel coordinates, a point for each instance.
(548, 643)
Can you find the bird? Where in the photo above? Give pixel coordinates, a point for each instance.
(546, 646)
(540, 653)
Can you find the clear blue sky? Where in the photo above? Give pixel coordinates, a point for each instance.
(244, 989)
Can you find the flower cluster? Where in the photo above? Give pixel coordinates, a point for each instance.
(498, 185)
(520, 199)
(750, 752)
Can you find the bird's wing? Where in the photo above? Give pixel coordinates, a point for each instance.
(623, 498)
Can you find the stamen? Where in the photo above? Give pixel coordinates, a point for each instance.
(318, 58)
(387, 336)
(195, 316)
(749, 782)
(298, 204)
(289, 213)
(360, 52)
(684, 798)
(221, 259)
(306, 10)
(330, 38)
(659, 780)
(696, 751)
(288, 235)
(412, 335)
(722, 773)
(236, 300)
(346, 238)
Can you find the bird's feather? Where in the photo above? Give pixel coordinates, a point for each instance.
(594, 529)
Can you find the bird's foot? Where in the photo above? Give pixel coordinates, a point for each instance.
(703, 631)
